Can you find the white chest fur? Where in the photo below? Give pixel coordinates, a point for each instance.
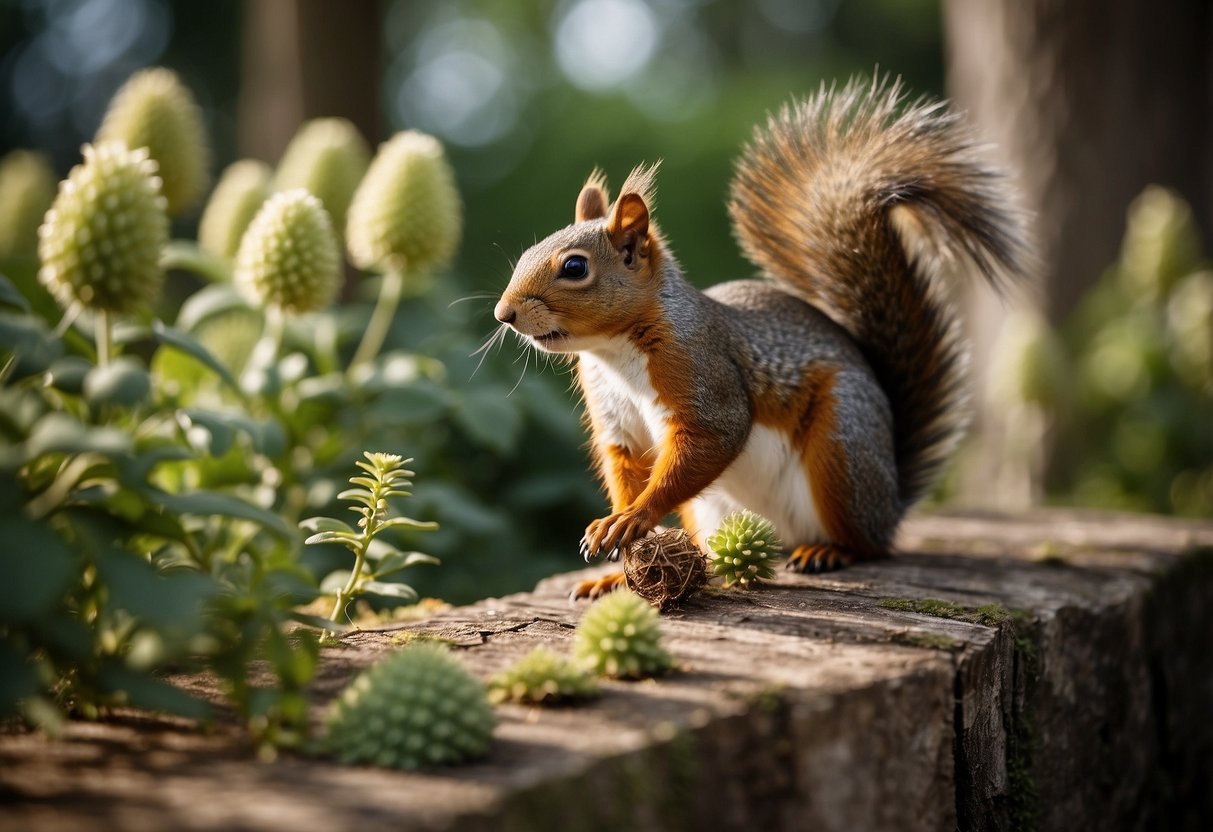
(624, 403)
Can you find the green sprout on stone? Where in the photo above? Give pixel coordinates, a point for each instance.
(542, 677)
(384, 477)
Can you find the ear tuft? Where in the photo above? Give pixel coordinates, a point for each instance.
(594, 198)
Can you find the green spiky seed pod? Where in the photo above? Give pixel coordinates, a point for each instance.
(288, 257)
(405, 215)
(620, 636)
(328, 157)
(101, 240)
(542, 677)
(243, 187)
(743, 549)
(419, 707)
(154, 109)
(27, 189)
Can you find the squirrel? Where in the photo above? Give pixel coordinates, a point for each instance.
(826, 395)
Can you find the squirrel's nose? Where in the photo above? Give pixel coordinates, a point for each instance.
(504, 312)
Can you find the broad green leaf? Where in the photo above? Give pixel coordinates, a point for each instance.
(206, 303)
(209, 503)
(189, 345)
(147, 692)
(186, 255)
(402, 591)
(29, 341)
(397, 560)
(62, 433)
(325, 524)
(135, 469)
(10, 295)
(18, 678)
(124, 382)
(335, 581)
(67, 374)
(37, 565)
(172, 602)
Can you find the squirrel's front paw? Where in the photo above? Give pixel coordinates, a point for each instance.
(611, 534)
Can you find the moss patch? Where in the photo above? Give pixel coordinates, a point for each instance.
(989, 615)
(930, 641)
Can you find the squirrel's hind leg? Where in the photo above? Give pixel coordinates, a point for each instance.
(593, 588)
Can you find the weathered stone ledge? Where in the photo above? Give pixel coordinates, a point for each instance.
(1068, 685)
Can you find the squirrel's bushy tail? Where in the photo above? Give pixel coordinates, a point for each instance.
(853, 200)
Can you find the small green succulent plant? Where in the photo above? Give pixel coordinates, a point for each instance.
(620, 636)
(542, 677)
(743, 550)
(419, 707)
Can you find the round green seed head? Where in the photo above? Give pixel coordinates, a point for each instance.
(328, 157)
(288, 257)
(101, 240)
(417, 708)
(242, 189)
(406, 213)
(743, 550)
(27, 188)
(620, 635)
(153, 109)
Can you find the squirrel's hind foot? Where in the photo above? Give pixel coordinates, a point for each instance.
(594, 588)
(819, 557)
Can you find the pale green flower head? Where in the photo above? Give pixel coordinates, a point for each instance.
(288, 257)
(27, 188)
(328, 157)
(406, 214)
(154, 109)
(101, 241)
(243, 187)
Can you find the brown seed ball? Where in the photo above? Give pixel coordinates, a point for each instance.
(664, 568)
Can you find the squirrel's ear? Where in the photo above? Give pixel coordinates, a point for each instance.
(593, 200)
(628, 227)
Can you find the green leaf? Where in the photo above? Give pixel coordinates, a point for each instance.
(325, 524)
(28, 339)
(408, 523)
(172, 602)
(335, 581)
(358, 495)
(403, 592)
(186, 255)
(396, 560)
(266, 437)
(18, 678)
(62, 433)
(420, 402)
(37, 565)
(189, 345)
(68, 373)
(206, 303)
(134, 470)
(344, 538)
(147, 692)
(10, 295)
(209, 503)
(124, 382)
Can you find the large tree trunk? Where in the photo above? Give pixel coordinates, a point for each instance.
(1088, 101)
(304, 59)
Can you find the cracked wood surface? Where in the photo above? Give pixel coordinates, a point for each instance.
(822, 702)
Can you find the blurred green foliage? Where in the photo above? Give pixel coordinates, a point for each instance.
(1127, 381)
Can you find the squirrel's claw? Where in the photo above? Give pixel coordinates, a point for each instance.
(818, 558)
(594, 588)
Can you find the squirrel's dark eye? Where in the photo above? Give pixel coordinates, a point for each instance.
(574, 267)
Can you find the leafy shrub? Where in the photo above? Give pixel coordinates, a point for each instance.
(156, 459)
